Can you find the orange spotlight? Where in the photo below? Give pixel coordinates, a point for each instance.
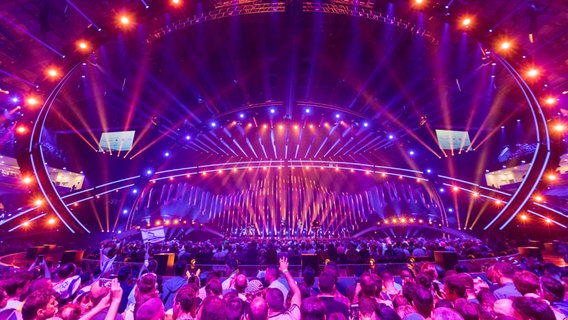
(158, 223)
(532, 73)
(548, 220)
(176, 221)
(264, 126)
(538, 198)
(124, 20)
(466, 22)
(550, 101)
(26, 224)
(176, 3)
(52, 73)
(420, 221)
(82, 45)
(21, 129)
(281, 127)
(455, 188)
(219, 171)
(498, 202)
(559, 127)
(403, 220)
(505, 45)
(551, 177)
(475, 194)
(296, 127)
(51, 221)
(38, 202)
(32, 101)
(27, 180)
(235, 170)
(524, 217)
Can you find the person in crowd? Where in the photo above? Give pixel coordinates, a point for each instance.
(446, 314)
(212, 308)
(327, 288)
(240, 285)
(105, 301)
(214, 288)
(466, 309)
(16, 286)
(527, 283)
(454, 288)
(68, 282)
(123, 277)
(423, 301)
(307, 286)
(231, 269)
(503, 274)
(313, 309)
(271, 278)
(275, 298)
(172, 285)
(184, 303)
(553, 291)
(391, 287)
(40, 305)
(527, 308)
(258, 309)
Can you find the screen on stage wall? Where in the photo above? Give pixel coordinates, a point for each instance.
(453, 140)
(116, 141)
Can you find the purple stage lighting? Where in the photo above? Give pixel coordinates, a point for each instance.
(125, 211)
(365, 124)
(15, 100)
(411, 152)
(213, 124)
(272, 111)
(241, 115)
(308, 110)
(337, 116)
(166, 154)
(187, 137)
(391, 136)
(135, 191)
(149, 172)
(428, 170)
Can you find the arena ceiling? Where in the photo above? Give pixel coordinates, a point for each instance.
(258, 84)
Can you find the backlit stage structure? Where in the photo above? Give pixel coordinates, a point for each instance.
(255, 119)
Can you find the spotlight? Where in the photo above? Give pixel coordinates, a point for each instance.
(149, 172)
(82, 45)
(52, 73)
(550, 101)
(187, 137)
(51, 221)
(532, 73)
(21, 129)
(475, 194)
(524, 217)
(296, 127)
(125, 211)
(466, 22)
(538, 198)
(365, 124)
(15, 100)
(455, 189)
(559, 127)
(391, 136)
(38, 202)
(124, 20)
(308, 110)
(450, 210)
(264, 126)
(176, 3)
(551, 177)
(337, 116)
(280, 127)
(548, 220)
(411, 152)
(166, 154)
(32, 101)
(241, 115)
(213, 124)
(27, 180)
(272, 111)
(135, 191)
(506, 45)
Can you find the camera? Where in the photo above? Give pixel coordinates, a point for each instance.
(105, 282)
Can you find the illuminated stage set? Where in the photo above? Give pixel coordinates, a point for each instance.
(269, 119)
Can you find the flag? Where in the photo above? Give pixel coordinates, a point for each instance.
(153, 235)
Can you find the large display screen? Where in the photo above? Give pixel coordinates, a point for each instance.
(116, 141)
(453, 140)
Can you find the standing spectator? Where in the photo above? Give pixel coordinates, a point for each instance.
(172, 285)
(16, 286)
(184, 304)
(123, 279)
(503, 274)
(271, 278)
(327, 288)
(313, 309)
(39, 305)
(275, 299)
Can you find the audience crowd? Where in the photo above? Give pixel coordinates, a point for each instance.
(530, 290)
